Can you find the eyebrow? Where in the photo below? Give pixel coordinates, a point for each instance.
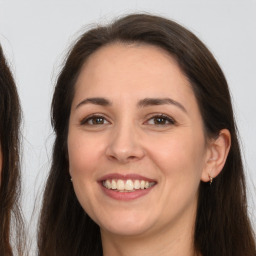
(160, 101)
(95, 101)
(142, 103)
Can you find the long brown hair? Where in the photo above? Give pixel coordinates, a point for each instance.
(11, 224)
(222, 224)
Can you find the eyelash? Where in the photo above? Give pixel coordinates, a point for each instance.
(86, 120)
(163, 118)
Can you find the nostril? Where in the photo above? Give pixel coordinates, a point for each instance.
(111, 157)
(132, 157)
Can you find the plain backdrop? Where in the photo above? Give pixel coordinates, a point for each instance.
(35, 36)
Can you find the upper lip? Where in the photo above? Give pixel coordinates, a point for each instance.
(131, 176)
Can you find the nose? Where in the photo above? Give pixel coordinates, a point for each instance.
(125, 145)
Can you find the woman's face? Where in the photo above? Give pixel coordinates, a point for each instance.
(136, 145)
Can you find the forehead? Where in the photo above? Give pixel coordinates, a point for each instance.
(132, 71)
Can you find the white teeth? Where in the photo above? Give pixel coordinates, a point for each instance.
(108, 184)
(113, 184)
(142, 184)
(120, 185)
(127, 185)
(136, 184)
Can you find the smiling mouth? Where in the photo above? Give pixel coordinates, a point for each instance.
(128, 185)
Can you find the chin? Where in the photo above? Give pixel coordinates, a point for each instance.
(126, 224)
(125, 229)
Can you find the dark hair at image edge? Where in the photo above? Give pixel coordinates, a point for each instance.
(11, 223)
(222, 225)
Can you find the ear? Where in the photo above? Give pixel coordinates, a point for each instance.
(217, 152)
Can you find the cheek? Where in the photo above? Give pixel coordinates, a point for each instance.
(81, 152)
(84, 152)
(180, 156)
(180, 160)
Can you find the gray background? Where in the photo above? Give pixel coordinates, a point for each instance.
(36, 34)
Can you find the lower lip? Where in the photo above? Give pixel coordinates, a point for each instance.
(126, 196)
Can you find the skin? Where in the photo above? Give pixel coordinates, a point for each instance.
(128, 139)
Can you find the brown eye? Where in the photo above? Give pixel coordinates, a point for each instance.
(94, 120)
(160, 120)
(97, 120)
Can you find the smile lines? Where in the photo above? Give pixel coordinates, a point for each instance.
(127, 185)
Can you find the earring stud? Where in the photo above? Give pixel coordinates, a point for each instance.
(211, 179)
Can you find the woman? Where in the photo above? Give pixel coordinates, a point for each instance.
(146, 159)
(10, 215)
